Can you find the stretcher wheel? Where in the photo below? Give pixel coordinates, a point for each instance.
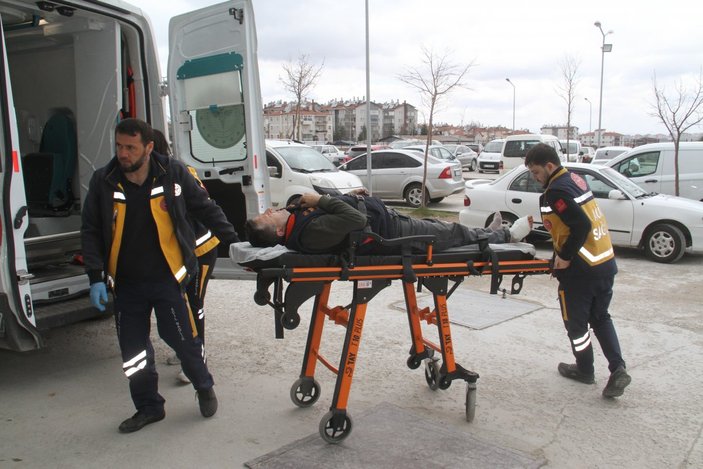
(305, 392)
(432, 373)
(335, 428)
(290, 320)
(444, 382)
(414, 362)
(470, 401)
(262, 298)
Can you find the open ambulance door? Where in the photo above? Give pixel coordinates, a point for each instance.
(216, 108)
(18, 329)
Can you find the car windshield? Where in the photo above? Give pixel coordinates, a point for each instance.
(493, 147)
(305, 159)
(629, 186)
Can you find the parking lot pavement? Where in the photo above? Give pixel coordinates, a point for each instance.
(61, 406)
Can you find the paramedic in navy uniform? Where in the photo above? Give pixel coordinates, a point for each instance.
(136, 237)
(584, 264)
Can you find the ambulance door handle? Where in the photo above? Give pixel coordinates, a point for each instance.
(23, 277)
(650, 180)
(516, 201)
(21, 213)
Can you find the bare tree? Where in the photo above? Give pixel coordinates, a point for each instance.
(434, 80)
(299, 79)
(678, 113)
(569, 66)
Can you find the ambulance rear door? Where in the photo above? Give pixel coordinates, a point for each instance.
(216, 109)
(17, 320)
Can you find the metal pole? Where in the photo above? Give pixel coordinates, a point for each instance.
(602, 64)
(513, 85)
(368, 107)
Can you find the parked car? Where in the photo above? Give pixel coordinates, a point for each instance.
(489, 159)
(330, 152)
(357, 150)
(414, 141)
(397, 174)
(663, 226)
(477, 147)
(466, 156)
(517, 146)
(604, 154)
(652, 168)
(295, 169)
(438, 151)
(573, 151)
(587, 154)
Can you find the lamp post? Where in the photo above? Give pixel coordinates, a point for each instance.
(513, 85)
(590, 114)
(604, 48)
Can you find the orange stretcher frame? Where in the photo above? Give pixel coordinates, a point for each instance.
(308, 282)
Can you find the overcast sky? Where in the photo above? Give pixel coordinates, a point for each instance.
(525, 41)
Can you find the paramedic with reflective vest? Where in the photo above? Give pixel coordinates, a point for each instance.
(584, 264)
(136, 236)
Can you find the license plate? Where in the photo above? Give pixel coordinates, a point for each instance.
(490, 165)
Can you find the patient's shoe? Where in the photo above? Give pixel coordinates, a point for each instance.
(521, 228)
(496, 223)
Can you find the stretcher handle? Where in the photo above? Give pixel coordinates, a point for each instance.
(356, 238)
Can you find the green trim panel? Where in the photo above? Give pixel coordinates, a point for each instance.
(211, 65)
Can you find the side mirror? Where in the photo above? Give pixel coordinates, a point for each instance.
(616, 194)
(273, 172)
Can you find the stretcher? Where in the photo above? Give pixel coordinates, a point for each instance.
(311, 276)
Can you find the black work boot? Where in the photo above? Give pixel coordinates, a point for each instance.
(139, 421)
(207, 401)
(571, 371)
(618, 381)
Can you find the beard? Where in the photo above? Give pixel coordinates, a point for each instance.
(130, 168)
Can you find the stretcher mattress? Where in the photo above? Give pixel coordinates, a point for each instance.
(256, 258)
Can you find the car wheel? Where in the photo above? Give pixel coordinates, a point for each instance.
(436, 200)
(508, 219)
(413, 195)
(664, 243)
(472, 165)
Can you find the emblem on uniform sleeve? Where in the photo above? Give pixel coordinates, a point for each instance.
(176, 189)
(579, 181)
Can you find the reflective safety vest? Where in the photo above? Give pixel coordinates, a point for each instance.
(164, 226)
(597, 249)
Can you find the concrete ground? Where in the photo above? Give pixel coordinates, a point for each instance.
(60, 407)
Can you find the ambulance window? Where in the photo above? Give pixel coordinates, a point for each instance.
(213, 99)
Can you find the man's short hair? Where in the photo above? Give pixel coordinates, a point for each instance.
(261, 234)
(541, 154)
(134, 127)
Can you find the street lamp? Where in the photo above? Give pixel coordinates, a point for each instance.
(604, 48)
(590, 114)
(513, 85)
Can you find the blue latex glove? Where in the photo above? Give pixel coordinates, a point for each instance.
(98, 295)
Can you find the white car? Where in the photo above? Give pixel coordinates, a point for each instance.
(664, 226)
(295, 169)
(331, 152)
(605, 154)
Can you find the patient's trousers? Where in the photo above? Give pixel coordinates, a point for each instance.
(447, 234)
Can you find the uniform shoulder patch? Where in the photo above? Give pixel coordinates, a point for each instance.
(560, 206)
(579, 181)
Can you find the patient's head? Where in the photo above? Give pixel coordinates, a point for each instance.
(268, 228)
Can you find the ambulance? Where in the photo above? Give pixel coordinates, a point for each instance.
(69, 71)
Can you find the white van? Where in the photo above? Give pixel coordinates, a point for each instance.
(572, 151)
(295, 169)
(490, 158)
(516, 147)
(651, 167)
(69, 72)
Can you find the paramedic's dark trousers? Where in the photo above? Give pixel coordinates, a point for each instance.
(133, 305)
(447, 235)
(197, 288)
(584, 301)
